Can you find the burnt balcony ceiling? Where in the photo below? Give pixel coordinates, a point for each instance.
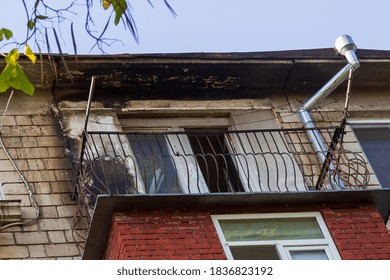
(213, 75)
(174, 77)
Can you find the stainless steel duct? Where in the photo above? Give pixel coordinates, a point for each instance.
(344, 46)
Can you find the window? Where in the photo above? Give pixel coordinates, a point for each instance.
(374, 138)
(215, 159)
(293, 236)
(174, 155)
(156, 167)
(225, 152)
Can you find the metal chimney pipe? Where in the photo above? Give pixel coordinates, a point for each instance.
(344, 45)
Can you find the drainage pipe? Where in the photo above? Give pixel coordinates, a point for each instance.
(344, 45)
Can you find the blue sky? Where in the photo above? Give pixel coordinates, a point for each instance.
(232, 26)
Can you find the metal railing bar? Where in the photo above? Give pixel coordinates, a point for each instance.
(266, 160)
(302, 129)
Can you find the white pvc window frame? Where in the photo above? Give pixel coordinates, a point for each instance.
(283, 247)
(369, 122)
(303, 249)
(2, 195)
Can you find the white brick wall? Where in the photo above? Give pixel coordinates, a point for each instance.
(38, 151)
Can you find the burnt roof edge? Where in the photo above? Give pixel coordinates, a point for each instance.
(324, 53)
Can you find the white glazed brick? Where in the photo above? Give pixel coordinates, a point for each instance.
(37, 251)
(31, 238)
(14, 252)
(57, 236)
(62, 250)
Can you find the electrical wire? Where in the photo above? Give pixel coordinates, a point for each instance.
(25, 182)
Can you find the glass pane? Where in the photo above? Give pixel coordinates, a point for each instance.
(214, 160)
(254, 253)
(376, 145)
(309, 255)
(155, 164)
(271, 229)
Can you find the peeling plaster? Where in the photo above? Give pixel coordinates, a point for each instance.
(177, 105)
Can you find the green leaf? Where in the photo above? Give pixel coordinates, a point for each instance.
(13, 75)
(41, 17)
(31, 24)
(6, 76)
(4, 32)
(7, 33)
(4, 85)
(120, 6)
(106, 4)
(21, 82)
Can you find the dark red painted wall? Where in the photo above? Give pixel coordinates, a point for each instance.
(358, 232)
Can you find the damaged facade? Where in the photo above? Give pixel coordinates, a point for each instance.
(198, 156)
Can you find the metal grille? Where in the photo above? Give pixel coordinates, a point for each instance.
(279, 160)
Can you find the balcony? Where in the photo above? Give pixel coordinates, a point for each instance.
(215, 161)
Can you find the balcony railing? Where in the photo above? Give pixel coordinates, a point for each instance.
(190, 161)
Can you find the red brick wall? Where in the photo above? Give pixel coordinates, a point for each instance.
(163, 235)
(359, 233)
